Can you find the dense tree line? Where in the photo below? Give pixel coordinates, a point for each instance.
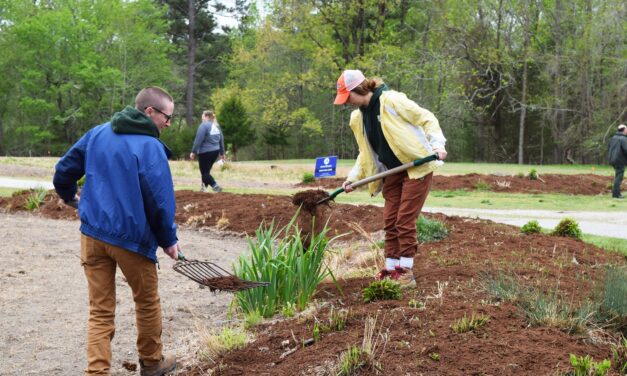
(528, 81)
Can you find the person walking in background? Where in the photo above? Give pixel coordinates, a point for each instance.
(208, 146)
(618, 158)
(126, 208)
(391, 130)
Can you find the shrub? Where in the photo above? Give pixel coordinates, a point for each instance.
(308, 177)
(586, 366)
(35, 199)
(430, 230)
(567, 227)
(533, 174)
(466, 324)
(531, 227)
(292, 270)
(483, 186)
(382, 290)
(222, 341)
(520, 175)
(553, 310)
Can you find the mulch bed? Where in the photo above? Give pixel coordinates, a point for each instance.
(582, 184)
(506, 345)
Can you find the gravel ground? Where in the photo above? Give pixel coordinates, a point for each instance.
(44, 301)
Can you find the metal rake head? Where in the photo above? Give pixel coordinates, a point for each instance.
(213, 276)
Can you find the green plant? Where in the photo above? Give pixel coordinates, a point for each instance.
(292, 270)
(430, 230)
(503, 287)
(81, 182)
(358, 358)
(613, 304)
(551, 309)
(315, 333)
(466, 324)
(35, 199)
(222, 341)
(435, 356)
(382, 290)
(619, 356)
(531, 227)
(337, 319)
(533, 174)
(483, 186)
(520, 175)
(586, 366)
(351, 361)
(288, 310)
(252, 318)
(567, 227)
(308, 177)
(414, 303)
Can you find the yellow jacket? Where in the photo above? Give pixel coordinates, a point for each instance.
(411, 131)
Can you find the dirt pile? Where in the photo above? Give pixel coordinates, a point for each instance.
(582, 184)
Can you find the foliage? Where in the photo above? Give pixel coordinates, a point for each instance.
(430, 230)
(236, 124)
(483, 186)
(179, 139)
(567, 227)
(533, 174)
(221, 341)
(466, 324)
(35, 199)
(531, 227)
(293, 271)
(503, 287)
(308, 177)
(586, 366)
(382, 290)
(619, 356)
(612, 310)
(552, 309)
(351, 361)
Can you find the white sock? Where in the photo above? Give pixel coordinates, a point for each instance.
(391, 263)
(407, 262)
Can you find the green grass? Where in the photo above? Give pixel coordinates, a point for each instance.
(609, 244)
(7, 192)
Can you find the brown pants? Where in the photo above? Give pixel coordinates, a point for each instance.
(99, 260)
(404, 198)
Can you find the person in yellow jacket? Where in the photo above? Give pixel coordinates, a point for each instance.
(391, 130)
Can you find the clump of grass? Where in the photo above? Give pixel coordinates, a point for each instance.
(619, 356)
(533, 174)
(586, 366)
(280, 258)
(288, 310)
(551, 309)
(567, 227)
(336, 322)
(466, 324)
(382, 290)
(252, 319)
(503, 287)
(308, 177)
(434, 356)
(430, 230)
(222, 341)
(483, 186)
(35, 199)
(612, 310)
(531, 227)
(361, 358)
(223, 222)
(520, 175)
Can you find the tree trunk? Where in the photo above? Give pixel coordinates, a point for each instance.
(191, 64)
(523, 112)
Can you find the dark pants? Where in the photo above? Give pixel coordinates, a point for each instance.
(205, 162)
(618, 179)
(404, 198)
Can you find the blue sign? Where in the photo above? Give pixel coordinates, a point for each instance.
(325, 166)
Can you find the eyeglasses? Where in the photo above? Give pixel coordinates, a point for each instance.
(167, 117)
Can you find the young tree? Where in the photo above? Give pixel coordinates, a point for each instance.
(236, 124)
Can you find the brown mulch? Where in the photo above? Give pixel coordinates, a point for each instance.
(410, 337)
(582, 184)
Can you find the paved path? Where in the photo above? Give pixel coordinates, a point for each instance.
(612, 224)
(24, 184)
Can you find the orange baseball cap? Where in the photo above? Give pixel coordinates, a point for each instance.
(349, 80)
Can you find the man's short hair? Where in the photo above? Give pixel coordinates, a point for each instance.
(622, 127)
(152, 96)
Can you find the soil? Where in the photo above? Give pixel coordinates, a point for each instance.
(449, 279)
(230, 283)
(581, 184)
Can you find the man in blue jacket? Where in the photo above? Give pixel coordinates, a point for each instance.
(127, 209)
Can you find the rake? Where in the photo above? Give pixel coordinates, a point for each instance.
(213, 276)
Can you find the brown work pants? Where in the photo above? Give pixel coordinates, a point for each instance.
(404, 198)
(99, 260)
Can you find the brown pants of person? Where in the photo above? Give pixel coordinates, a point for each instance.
(404, 198)
(99, 260)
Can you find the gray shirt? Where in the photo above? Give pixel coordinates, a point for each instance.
(208, 138)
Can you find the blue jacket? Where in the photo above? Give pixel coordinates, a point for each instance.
(208, 138)
(128, 196)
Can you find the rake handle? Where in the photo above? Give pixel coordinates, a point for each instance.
(392, 171)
